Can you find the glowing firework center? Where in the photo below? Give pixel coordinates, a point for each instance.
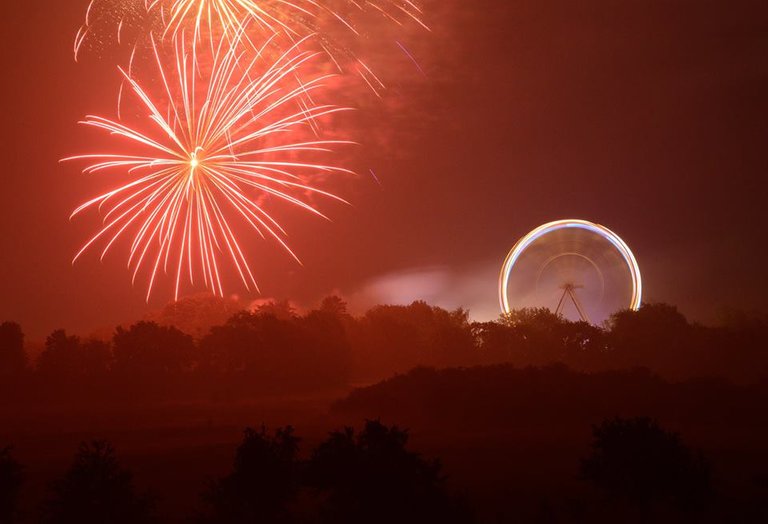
(603, 232)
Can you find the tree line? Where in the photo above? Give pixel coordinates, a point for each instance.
(274, 350)
(506, 397)
(353, 476)
(644, 472)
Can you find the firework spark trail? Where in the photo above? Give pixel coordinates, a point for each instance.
(292, 16)
(295, 19)
(210, 160)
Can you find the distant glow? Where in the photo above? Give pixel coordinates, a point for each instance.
(525, 242)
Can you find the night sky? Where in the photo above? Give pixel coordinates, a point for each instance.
(649, 117)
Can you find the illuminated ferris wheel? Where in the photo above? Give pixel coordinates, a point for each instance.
(577, 269)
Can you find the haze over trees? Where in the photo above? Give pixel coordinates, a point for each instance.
(273, 349)
(517, 395)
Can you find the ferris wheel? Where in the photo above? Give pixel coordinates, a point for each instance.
(577, 269)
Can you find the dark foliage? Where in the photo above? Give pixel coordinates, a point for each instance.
(97, 490)
(150, 359)
(657, 337)
(71, 367)
(637, 461)
(388, 339)
(13, 360)
(503, 396)
(263, 482)
(11, 479)
(489, 412)
(367, 477)
(268, 351)
(372, 477)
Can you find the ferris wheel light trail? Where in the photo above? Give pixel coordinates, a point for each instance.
(524, 243)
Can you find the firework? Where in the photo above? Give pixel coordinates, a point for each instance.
(216, 147)
(295, 17)
(115, 21)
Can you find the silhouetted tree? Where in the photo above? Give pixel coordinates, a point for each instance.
(392, 339)
(637, 461)
(334, 305)
(371, 477)
(97, 490)
(197, 314)
(262, 484)
(497, 343)
(13, 359)
(71, 368)
(536, 318)
(542, 334)
(249, 353)
(740, 349)
(11, 478)
(95, 359)
(151, 359)
(257, 352)
(451, 342)
(536, 336)
(280, 309)
(59, 362)
(586, 346)
(657, 336)
(326, 349)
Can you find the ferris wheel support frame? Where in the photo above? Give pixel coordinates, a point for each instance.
(569, 290)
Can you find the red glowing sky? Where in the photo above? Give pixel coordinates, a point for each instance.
(649, 117)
